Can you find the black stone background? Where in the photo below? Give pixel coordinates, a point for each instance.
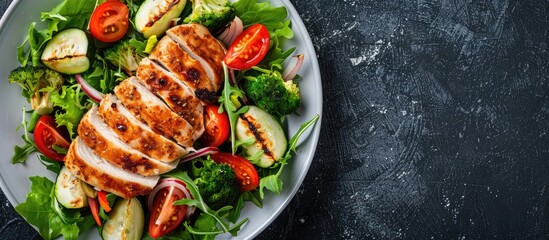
(435, 124)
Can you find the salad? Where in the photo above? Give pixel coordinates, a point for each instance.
(91, 48)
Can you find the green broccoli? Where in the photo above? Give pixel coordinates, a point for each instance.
(126, 54)
(216, 182)
(213, 14)
(272, 93)
(37, 83)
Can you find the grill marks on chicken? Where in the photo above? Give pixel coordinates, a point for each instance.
(150, 109)
(197, 41)
(175, 94)
(84, 163)
(187, 69)
(152, 120)
(103, 140)
(136, 133)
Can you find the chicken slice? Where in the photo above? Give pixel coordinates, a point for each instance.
(197, 41)
(187, 69)
(88, 167)
(151, 110)
(174, 93)
(95, 133)
(137, 134)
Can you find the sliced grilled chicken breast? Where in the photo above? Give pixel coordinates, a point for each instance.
(137, 134)
(95, 133)
(187, 69)
(196, 40)
(151, 110)
(174, 93)
(87, 166)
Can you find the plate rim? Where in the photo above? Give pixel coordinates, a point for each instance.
(312, 138)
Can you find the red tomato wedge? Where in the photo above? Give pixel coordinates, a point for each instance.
(165, 216)
(46, 134)
(249, 48)
(216, 127)
(245, 172)
(109, 21)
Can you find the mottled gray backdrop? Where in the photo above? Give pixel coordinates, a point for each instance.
(436, 121)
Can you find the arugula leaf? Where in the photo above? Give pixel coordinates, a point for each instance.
(104, 78)
(50, 164)
(38, 211)
(230, 107)
(67, 14)
(69, 100)
(21, 153)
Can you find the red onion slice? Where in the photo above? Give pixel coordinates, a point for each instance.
(230, 33)
(293, 67)
(239, 27)
(222, 37)
(93, 93)
(199, 153)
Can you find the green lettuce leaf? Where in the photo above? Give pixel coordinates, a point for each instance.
(69, 101)
(252, 12)
(38, 211)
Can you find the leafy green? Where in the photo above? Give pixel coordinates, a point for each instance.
(38, 210)
(252, 12)
(69, 100)
(229, 106)
(67, 14)
(21, 153)
(103, 78)
(50, 164)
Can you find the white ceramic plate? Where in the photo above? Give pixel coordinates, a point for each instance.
(14, 179)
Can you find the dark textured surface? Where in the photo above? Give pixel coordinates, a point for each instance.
(436, 122)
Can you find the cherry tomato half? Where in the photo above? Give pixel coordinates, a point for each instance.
(109, 21)
(165, 216)
(249, 48)
(46, 134)
(216, 126)
(245, 171)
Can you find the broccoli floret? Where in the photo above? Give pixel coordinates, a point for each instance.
(37, 83)
(269, 91)
(216, 182)
(126, 54)
(213, 14)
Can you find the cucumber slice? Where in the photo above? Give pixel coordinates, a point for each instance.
(88, 190)
(154, 16)
(68, 190)
(126, 220)
(66, 52)
(267, 133)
